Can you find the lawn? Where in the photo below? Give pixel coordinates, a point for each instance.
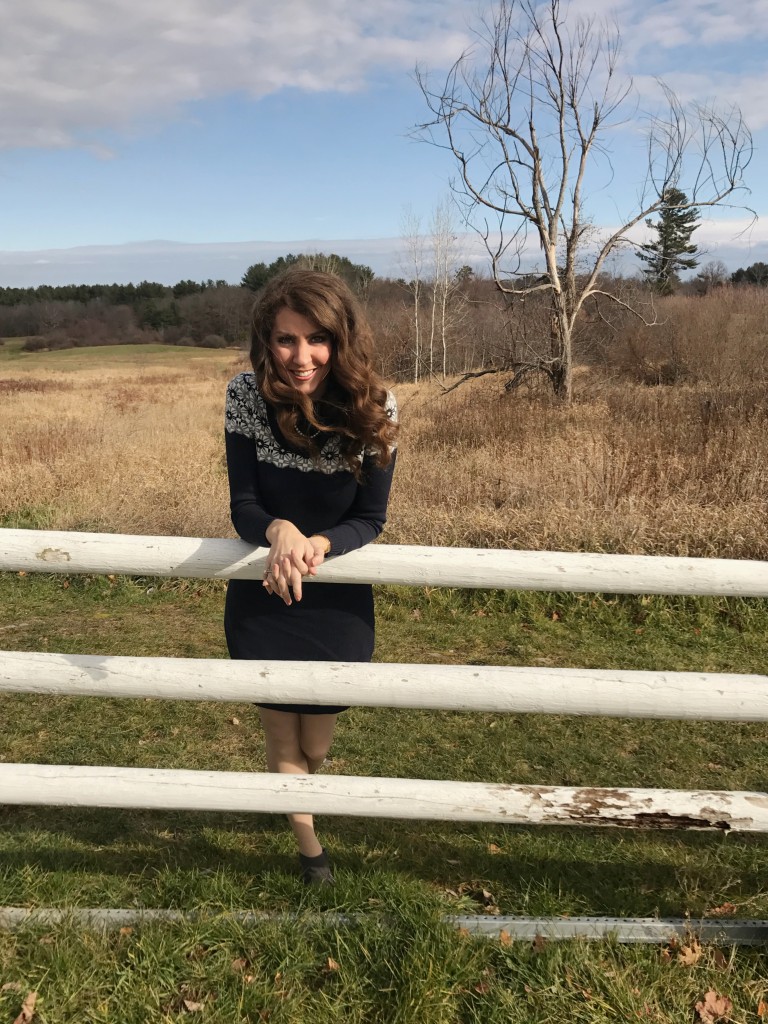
(398, 962)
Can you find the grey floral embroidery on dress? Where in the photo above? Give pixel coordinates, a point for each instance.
(246, 414)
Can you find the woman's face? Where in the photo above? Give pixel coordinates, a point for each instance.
(301, 351)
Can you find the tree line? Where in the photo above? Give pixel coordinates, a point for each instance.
(209, 313)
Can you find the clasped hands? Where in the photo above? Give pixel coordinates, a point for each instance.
(291, 557)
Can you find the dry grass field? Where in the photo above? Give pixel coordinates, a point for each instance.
(129, 439)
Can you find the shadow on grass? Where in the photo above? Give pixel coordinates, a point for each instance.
(527, 871)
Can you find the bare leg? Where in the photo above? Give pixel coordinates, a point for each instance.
(297, 745)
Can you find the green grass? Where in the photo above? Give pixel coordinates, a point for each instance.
(400, 963)
(93, 356)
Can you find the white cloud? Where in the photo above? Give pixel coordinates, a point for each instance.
(693, 23)
(721, 89)
(70, 68)
(736, 240)
(704, 50)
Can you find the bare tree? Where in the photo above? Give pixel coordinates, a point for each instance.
(414, 271)
(525, 114)
(448, 306)
(712, 275)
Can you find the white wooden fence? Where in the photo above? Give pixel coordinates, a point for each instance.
(559, 691)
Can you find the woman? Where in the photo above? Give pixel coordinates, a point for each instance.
(309, 436)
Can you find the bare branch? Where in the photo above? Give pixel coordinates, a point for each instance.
(525, 112)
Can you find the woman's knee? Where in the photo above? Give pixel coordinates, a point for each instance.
(282, 732)
(316, 736)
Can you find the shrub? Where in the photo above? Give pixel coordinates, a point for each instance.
(34, 345)
(213, 341)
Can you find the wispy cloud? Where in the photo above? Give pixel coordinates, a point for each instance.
(72, 68)
(692, 23)
(704, 50)
(737, 241)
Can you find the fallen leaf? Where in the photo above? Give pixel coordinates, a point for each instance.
(480, 614)
(27, 1009)
(11, 986)
(690, 955)
(464, 933)
(762, 1009)
(713, 1008)
(555, 616)
(493, 848)
(724, 910)
(192, 1007)
(65, 584)
(539, 944)
(331, 964)
(21, 573)
(235, 721)
(453, 862)
(720, 959)
(505, 939)
(416, 614)
(126, 931)
(46, 940)
(239, 965)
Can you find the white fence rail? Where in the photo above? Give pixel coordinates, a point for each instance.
(53, 551)
(624, 694)
(424, 799)
(685, 695)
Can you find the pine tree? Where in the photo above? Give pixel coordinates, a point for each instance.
(672, 250)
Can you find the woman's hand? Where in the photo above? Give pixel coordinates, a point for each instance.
(291, 557)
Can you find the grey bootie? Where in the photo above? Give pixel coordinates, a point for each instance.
(316, 870)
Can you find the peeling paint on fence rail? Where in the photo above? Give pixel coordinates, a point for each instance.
(428, 800)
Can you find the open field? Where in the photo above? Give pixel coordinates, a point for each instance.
(131, 442)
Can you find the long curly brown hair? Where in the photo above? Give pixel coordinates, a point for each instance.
(353, 404)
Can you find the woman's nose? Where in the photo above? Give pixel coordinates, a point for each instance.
(302, 352)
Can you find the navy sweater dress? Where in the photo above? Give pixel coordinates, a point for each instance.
(270, 479)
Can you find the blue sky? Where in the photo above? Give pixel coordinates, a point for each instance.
(215, 123)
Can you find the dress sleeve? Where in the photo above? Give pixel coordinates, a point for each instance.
(368, 513)
(248, 515)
